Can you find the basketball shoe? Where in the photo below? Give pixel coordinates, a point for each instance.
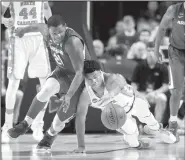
(45, 144)
(163, 134)
(18, 130)
(173, 126)
(4, 135)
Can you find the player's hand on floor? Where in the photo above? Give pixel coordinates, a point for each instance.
(65, 102)
(79, 150)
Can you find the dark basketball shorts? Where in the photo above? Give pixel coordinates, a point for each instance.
(176, 68)
(65, 79)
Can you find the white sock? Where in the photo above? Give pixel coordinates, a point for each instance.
(49, 132)
(10, 100)
(9, 118)
(173, 118)
(29, 120)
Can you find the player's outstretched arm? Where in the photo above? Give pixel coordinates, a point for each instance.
(165, 22)
(82, 109)
(47, 11)
(74, 48)
(40, 27)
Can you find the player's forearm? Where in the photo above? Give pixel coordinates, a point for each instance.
(160, 34)
(32, 28)
(80, 130)
(77, 80)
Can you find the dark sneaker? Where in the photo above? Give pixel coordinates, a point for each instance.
(173, 126)
(18, 130)
(45, 143)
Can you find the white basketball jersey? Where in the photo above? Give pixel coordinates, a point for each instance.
(121, 99)
(26, 13)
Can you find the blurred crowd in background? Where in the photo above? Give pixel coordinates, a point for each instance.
(131, 39)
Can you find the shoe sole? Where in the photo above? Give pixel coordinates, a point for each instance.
(43, 150)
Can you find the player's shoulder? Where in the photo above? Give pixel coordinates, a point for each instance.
(73, 41)
(171, 9)
(111, 77)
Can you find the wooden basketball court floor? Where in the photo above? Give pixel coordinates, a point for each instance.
(98, 147)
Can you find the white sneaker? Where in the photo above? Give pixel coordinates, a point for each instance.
(37, 128)
(4, 135)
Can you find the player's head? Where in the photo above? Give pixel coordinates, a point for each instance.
(57, 28)
(92, 73)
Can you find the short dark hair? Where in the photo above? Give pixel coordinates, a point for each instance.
(91, 66)
(55, 21)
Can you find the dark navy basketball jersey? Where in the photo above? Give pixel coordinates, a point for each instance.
(177, 38)
(61, 57)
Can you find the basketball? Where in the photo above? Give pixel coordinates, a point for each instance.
(113, 116)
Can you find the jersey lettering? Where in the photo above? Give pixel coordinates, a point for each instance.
(58, 59)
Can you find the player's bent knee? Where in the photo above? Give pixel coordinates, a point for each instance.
(46, 92)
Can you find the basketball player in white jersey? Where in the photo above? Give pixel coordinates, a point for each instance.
(103, 88)
(28, 49)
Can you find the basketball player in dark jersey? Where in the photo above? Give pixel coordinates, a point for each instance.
(174, 15)
(66, 81)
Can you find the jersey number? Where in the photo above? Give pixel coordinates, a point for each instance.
(25, 14)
